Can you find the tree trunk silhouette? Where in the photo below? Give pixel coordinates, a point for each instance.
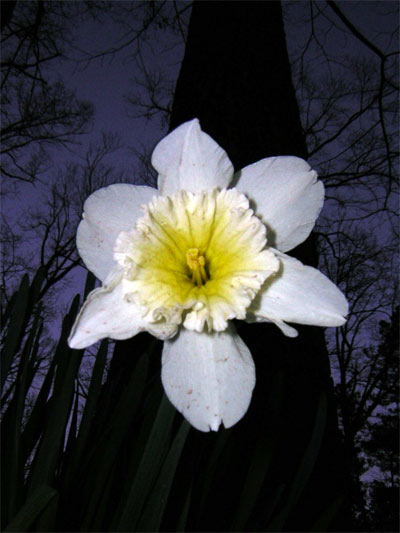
(7, 10)
(235, 77)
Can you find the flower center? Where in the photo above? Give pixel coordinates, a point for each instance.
(197, 259)
(196, 262)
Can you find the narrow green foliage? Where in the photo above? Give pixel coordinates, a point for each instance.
(108, 446)
(67, 361)
(12, 479)
(211, 468)
(89, 285)
(34, 355)
(149, 467)
(73, 429)
(305, 467)
(16, 317)
(36, 421)
(157, 501)
(47, 519)
(87, 417)
(37, 284)
(128, 462)
(33, 507)
(326, 517)
(182, 520)
(7, 310)
(13, 463)
(261, 459)
(16, 327)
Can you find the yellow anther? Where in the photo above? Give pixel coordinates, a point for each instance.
(196, 263)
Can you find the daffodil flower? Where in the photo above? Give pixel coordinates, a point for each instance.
(183, 261)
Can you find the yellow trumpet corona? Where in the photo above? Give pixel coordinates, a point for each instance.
(197, 259)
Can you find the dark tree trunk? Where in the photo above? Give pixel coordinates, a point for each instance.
(236, 79)
(7, 10)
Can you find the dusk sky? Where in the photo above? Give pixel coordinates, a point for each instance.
(108, 80)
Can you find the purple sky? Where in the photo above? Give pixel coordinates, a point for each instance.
(106, 81)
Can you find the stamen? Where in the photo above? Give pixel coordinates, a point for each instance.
(196, 262)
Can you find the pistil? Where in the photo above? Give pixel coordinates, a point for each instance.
(196, 262)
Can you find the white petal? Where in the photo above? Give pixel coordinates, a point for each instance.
(287, 196)
(285, 328)
(107, 212)
(191, 160)
(208, 377)
(299, 294)
(107, 314)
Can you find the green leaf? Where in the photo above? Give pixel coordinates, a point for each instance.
(37, 283)
(34, 424)
(7, 310)
(108, 446)
(181, 525)
(148, 468)
(34, 360)
(46, 461)
(15, 328)
(261, 458)
(33, 507)
(326, 517)
(12, 454)
(305, 468)
(220, 444)
(89, 285)
(155, 506)
(47, 519)
(72, 430)
(88, 414)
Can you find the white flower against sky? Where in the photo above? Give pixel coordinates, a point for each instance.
(182, 261)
